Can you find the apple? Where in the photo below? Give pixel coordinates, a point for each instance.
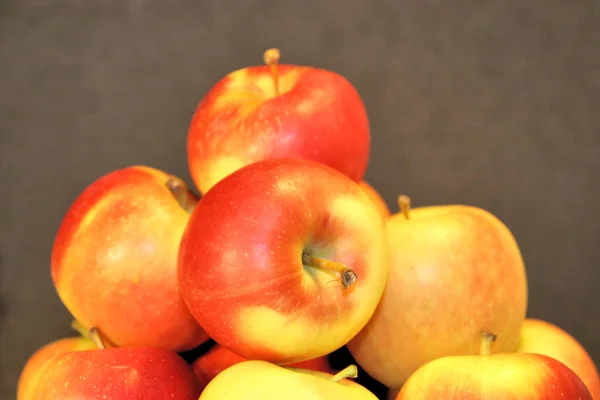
(28, 378)
(257, 379)
(118, 373)
(543, 337)
(114, 260)
(376, 198)
(284, 260)
(219, 358)
(454, 271)
(494, 377)
(278, 111)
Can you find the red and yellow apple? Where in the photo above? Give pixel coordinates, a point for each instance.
(278, 111)
(454, 271)
(28, 378)
(503, 376)
(114, 260)
(258, 380)
(283, 261)
(376, 198)
(117, 373)
(218, 359)
(543, 337)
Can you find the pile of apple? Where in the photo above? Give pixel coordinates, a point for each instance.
(285, 256)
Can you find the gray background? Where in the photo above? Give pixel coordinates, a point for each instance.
(489, 103)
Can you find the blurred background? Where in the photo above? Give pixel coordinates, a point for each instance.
(493, 104)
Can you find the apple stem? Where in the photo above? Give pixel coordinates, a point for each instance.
(347, 275)
(485, 346)
(271, 58)
(404, 203)
(94, 334)
(180, 192)
(80, 328)
(351, 371)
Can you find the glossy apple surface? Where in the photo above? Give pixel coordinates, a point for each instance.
(314, 114)
(220, 358)
(543, 337)
(258, 380)
(118, 373)
(30, 373)
(454, 271)
(114, 261)
(507, 376)
(263, 256)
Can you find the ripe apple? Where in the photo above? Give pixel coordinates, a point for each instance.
(114, 260)
(454, 271)
(278, 111)
(542, 337)
(257, 379)
(30, 373)
(494, 377)
(283, 261)
(377, 199)
(219, 358)
(118, 373)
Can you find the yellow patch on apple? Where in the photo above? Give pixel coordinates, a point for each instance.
(263, 380)
(299, 328)
(220, 167)
(248, 94)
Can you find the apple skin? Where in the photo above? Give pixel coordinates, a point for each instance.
(507, 376)
(318, 116)
(257, 379)
(30, 373)
(118, 373)
(114, 261)
(543, 337)
(454, 271)
(219, 358)
(241, 268)
(377, 199)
